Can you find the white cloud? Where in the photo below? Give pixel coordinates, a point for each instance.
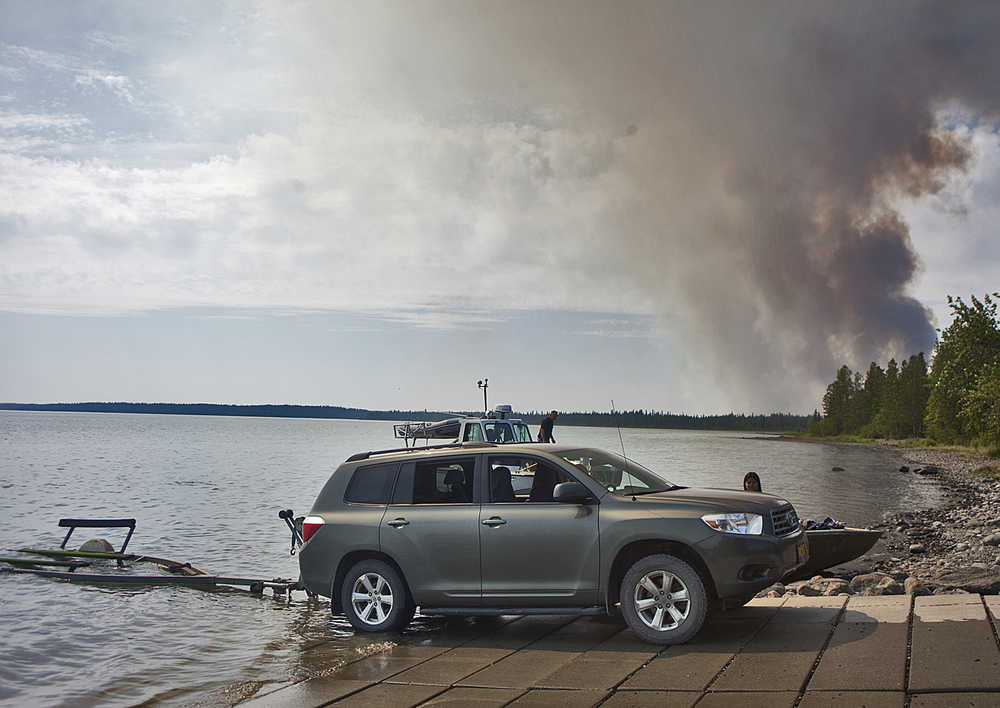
(345, 220)
(32, 122)
(117, 84)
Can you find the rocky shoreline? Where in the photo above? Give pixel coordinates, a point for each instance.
(954, 548)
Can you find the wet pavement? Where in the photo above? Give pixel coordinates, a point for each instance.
(798, 651)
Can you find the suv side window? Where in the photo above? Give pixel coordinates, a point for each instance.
(449, 480)
(370, 485)
(515, 478)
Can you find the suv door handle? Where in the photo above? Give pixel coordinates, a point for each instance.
(493, 521)
(396, 523)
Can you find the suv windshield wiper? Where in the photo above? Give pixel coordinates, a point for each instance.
(671, 488)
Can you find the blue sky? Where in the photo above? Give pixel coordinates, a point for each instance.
(696, 209)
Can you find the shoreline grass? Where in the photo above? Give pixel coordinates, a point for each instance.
(906, 444)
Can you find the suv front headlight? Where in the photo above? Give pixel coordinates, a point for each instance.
(743, 523)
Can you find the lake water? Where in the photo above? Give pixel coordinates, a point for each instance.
(207, 490)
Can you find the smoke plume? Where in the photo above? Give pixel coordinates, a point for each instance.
(764, 151)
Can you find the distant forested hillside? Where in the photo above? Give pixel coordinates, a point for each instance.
(773, 422)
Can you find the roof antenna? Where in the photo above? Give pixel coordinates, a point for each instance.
(484, 384)
(618, 425)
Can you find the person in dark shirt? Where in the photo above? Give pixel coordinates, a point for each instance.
(545, 432)
(751, 482)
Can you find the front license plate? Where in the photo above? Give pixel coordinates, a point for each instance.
(802, 552)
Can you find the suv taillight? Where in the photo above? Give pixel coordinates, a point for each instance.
(310, 525)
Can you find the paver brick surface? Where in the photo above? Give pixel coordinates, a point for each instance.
(624, 641)
(954, 655)
(475, 697)
(385, 695)
(687, 669)
(587, 672)
(314, 692)
(519, 633)
(759, 655)
(693, 665)
(520, 670)
(538, 698)
(729, 699)
(778, 658)
(809, 610)
(453, 666)
(863, 656)
(605, 665)
(884, 610)
(993, 605)
(853, 699)
(377, 668)
(580, 635)
(652, 699)
(955, 700)
(949, 608)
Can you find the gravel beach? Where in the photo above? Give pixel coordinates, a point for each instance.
(953, 548)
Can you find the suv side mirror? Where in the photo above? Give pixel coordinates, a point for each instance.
(571, 493)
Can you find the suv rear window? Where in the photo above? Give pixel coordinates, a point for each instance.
(370, 485)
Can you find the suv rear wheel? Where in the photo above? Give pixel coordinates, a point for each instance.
(663, 599)
(374, 597)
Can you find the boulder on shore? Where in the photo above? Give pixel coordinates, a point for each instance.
(981, 581)
(818, 585)
(875, 584)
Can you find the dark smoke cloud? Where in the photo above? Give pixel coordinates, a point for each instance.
(768, 146)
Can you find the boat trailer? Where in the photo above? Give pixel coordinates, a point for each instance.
(84, 565)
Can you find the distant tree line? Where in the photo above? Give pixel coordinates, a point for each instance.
(773, 422)
(258, 410)
(958, 401)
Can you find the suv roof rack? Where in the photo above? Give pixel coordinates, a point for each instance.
(459, 445)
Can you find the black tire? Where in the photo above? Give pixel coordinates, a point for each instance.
(388, 606)
(672, 598)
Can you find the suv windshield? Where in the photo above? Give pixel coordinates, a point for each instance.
(616, 474)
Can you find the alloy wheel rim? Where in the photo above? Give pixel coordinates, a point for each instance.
(372, 598)
(662, 600)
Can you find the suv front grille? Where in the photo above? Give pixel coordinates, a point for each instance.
(784, 521)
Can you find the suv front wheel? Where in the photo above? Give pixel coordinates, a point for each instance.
(663, 599)
(374, 597)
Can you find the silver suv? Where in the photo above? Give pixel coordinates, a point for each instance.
(445, 529)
